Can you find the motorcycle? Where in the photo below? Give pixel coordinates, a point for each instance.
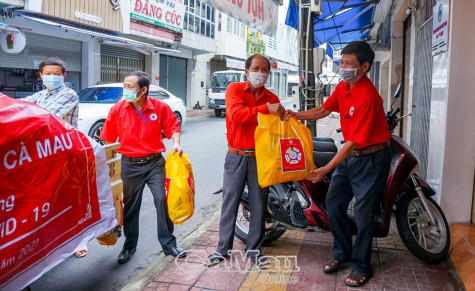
(300, 205)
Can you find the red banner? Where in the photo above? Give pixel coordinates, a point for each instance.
(48, 186)
(293, 156)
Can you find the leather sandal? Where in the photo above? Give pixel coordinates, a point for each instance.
(360, 278)
(332, 265)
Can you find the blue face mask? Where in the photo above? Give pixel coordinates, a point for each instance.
(53, 82)
(130, 96)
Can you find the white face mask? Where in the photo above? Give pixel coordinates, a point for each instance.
(257, 79)
(349, 75)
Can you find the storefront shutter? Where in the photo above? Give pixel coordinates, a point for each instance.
(121, 52)
(39, 47)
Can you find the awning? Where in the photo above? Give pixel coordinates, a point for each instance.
(107, 38)
(6, 27)
(341, 22)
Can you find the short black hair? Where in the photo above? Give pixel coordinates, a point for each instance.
(52, 61)
(144, 79)
(249, 60)
(362, 50)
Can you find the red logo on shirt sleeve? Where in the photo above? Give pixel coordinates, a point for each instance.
(292, 155)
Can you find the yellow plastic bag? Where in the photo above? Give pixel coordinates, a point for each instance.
(284, 150)
(180, 188)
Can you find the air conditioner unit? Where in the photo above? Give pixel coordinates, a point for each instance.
(315, 6)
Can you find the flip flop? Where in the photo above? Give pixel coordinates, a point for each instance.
(360, 277)
(82, 252)
(332, 265)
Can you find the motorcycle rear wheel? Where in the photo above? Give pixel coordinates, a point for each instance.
(428, 242)
(273, 229)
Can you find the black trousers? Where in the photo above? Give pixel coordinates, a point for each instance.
(135, 176)
(362, 177)
(237, 171)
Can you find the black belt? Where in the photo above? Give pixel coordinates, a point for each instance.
(142, 160)
(371, 149)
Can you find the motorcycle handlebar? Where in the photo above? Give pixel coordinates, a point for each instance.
(396, 111)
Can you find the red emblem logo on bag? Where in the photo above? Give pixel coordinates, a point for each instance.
(292, 155)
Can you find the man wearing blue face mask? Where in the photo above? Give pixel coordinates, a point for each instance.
(138, 123)
(56, 98)
(361, 166)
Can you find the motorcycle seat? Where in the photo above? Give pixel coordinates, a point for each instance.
(321, 159)
(327, 139)
(324, 146)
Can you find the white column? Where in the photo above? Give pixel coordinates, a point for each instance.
(91, 63)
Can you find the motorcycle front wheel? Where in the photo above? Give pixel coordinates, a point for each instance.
(273, 229)
(428, 242)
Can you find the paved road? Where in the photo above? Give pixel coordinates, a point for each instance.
(204, 139)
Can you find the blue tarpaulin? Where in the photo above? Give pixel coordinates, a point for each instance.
(339, 23)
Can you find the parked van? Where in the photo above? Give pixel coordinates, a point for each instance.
(219, 82)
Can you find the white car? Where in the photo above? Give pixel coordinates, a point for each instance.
(95, 103)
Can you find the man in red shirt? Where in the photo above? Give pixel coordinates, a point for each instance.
(138, 122)
(243, 102)
(362, 165)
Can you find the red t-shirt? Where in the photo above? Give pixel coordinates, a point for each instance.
(361, 111)
(241, 113)
(140, 132)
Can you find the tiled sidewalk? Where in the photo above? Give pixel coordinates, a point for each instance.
(299, 258)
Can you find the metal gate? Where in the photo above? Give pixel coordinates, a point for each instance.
(173, 76)
(422, 97)
(118, 62)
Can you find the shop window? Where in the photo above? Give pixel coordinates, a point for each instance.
(197, 24)
(185, 21)
(208, 12)
(203, 27)
(230, 25)
(203, 10)
(208, 32)
(191, 23)
(236, 27)
(212, 31)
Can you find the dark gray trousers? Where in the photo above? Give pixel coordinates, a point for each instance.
(363, 177)
(237, 171)
(135, 176)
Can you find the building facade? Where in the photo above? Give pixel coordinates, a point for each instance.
(429, 52)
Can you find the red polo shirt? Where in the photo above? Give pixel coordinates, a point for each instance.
(140, 132)
(241, 113)
(361, 111)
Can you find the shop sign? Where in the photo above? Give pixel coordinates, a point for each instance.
(236, 64)
(87, 17)
(261, 14)
(440, 27)
(168, 14)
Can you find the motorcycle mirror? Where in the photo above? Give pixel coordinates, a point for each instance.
(397, 92)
